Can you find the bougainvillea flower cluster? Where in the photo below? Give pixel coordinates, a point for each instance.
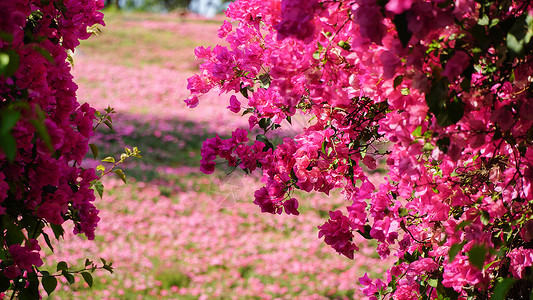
(436, 94)
(44, 133)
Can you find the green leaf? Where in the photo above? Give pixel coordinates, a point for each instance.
(14, 234)
(62, 266)
(366, 233)
(397, 81)
(98, 186)
(108, 268)
(47, 240)
(45, 53)
(6, 37)
(9, 62)
(265, 80)
(400, 21)
(485, 217)
(264, 123)
(94, 150)
(9, 119)
(437, 96)
(58, 230)
(5, 283)
(244, 92)
(109, 159)
(39, 126)
(108, 124)
(451, 114)
(69, 277)
(344, 45)
(454, 250)
(120, 174)
(88, 262)
(428, 147)
(100, 168)
(433, 282)
(520, 35)
(49, 284)
(417, 132)
(9, 146)
(502, 288)
(403, 212)
(88, 278)
(264, 139)
(477, 255)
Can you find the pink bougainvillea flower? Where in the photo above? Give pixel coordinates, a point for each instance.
(456, 65)
(192, 101)
(234, 104)
(398, 6)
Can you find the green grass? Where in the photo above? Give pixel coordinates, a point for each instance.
(123, 42)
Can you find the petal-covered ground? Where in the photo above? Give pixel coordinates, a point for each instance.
(172, 232)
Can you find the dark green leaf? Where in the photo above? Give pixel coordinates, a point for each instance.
(452, 113)
(62, 266)
(108, 268)
(45, 53)
(108, 124)
(397, 81)
(400, 21)
(9, 119)
(48, 242)
(477, 255)
(9, 146)
(94, 150)
(6, 37)
(9, 62)
(58, 230)
(265, 80)
(519, 37)
(49, 284)
(366, 234)
(502, 288)
(69, 277)
(443, 144)
(14, 234)
(88, 262)
(264, 123)
(264, 139)
(454, 250)
(39, 126)
(4, 283)
(437, 96)
(244, 92)
(88, 278)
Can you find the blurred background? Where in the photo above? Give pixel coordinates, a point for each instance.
(207, 8)
(172, 232)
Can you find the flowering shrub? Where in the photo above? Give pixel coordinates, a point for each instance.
(44, 135)
(438, 94)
